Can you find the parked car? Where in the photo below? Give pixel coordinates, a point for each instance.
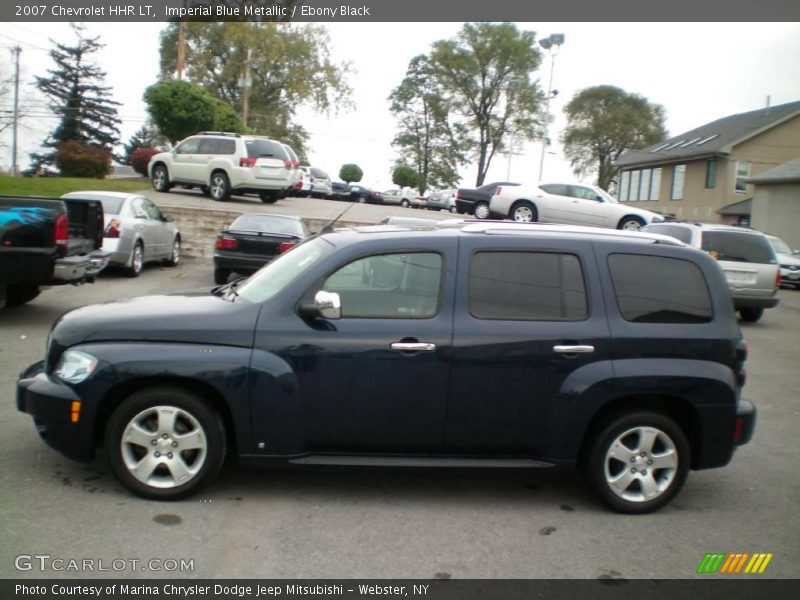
(339, 191)
(135, 230)
(614, 353)
(573, 204)
(223, 163)
(253, 240)
(789, 260)
(359, 193)
(400, 197)
(476, 201)
(443, 200)
(419, 202)
(315, 182)
(47, 241)
(745, 257)
(297, 175)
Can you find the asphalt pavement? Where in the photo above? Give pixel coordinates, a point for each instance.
(389, 523)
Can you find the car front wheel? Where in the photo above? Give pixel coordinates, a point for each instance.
(220, 187)
(631, 224)
(160, 179)
(638, 462)
(175, 255)
(165, 443)
(482, 210)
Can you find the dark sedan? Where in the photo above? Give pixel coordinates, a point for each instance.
(339, 191)
(476, 201)
(359, 193)
(253, 240)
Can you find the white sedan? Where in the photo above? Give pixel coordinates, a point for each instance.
(573, 204)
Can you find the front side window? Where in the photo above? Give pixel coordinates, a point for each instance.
(678, 177)
(577, 191)
(742, 173)
(527, 286)
(658, 289)
(402, 285)
(190, 146)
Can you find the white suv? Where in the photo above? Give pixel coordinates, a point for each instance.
(745, 257)
(570, 203)
(223, 163)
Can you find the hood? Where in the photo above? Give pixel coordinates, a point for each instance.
(183, 318)
(788, 259)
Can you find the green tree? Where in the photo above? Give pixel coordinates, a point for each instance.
(76, 94)
(350, 173)
(405, 176)
(485, 74)
(427, 137)
(147, 136)
(180, 108)
(603, 122)
(289, 67)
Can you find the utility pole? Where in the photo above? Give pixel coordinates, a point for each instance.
(16, 51)
(181, 48)
(246, 83)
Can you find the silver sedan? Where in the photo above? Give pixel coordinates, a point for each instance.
(135, 231)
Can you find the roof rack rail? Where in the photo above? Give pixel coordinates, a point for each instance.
(226, 133)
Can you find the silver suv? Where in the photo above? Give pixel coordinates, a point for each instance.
(745, 257)
(222, 163)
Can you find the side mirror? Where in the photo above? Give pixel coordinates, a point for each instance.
(327, 305)
(599, 198)
(169, 219)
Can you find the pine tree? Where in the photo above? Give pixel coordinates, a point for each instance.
(77, 95)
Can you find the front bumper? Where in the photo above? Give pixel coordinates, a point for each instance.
(49, 402)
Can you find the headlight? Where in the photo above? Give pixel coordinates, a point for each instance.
(74, 366)
(657, 219)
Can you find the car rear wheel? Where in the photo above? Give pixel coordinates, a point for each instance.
(452, 210)
(160, 179)
(206, 190)
(631, 224)
(165, 443)
(404, 203)
(220, 187)
(482, 210)
(268, 197)
(524, 212)
(751, 315)
(638, 462)
(137, 260)
(221, 275)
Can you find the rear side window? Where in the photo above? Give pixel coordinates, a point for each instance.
(555, 188)
(738, 247)
(265, 148)
(527, 286)
(658, 289)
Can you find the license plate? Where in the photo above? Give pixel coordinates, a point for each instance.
(740, 277)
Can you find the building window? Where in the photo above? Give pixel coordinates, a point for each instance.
(711, 174)
(742, 173)
(624, 186)
(634, 193)
(655, 184)
(644, 186)
(678, 177)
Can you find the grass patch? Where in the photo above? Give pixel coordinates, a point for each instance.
(58, 186)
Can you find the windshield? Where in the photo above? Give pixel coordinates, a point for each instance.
(279, 273)
(779, 245)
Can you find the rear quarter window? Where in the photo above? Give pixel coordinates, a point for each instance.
(659, 289)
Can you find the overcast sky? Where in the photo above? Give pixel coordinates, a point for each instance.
(699, 72)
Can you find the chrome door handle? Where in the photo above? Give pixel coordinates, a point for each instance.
(573, 349)
(413, 347)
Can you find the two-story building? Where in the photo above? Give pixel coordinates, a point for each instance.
(703, 174)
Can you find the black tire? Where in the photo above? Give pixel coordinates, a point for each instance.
(221, 275)
(20, 293)
(220, 186)
(452, 210)
(751, 315)
(159, 179)
(362, 199)
(615, 454)
(189, 420)
(3, 295)
(268, 197)
(175, 254)
(481, 210)
(206, 190)
(404, 203)
(524, 212)
(137, 261)
(631, 223)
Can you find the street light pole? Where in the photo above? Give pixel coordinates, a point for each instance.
(552, 45)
